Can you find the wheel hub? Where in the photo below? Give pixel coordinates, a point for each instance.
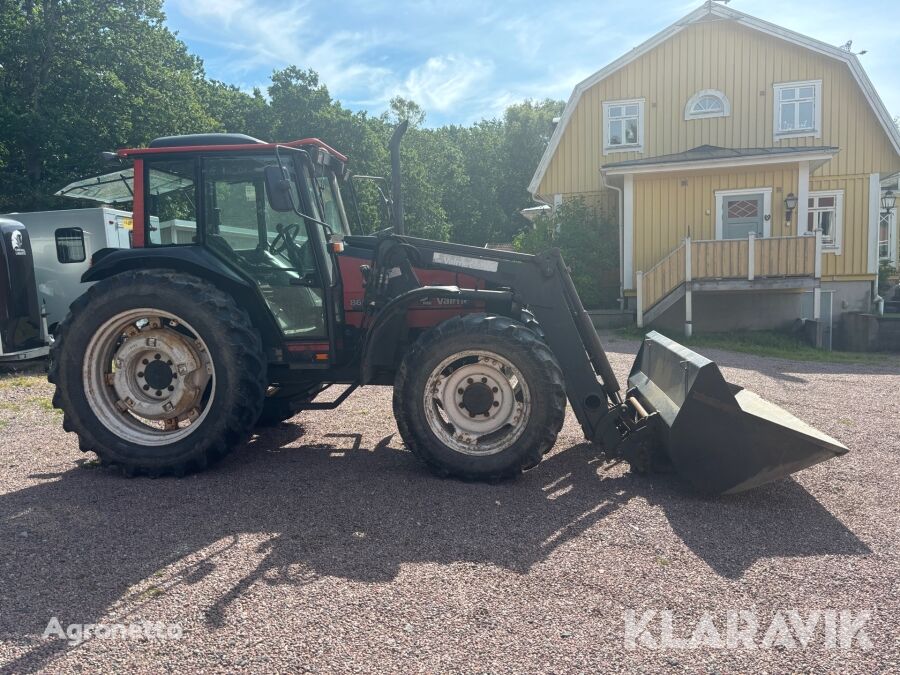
(158, 375)
(477, 398)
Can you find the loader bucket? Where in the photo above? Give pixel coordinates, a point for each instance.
(720, 437)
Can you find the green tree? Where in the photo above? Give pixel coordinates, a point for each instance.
(526, 131)
(79, 76)
(589, 245)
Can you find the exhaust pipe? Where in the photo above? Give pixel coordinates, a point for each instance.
(396, 194)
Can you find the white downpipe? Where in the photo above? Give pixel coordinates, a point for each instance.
(621, 228)
(628, 228)
(640, 299)
(802, 198)
(874, 217)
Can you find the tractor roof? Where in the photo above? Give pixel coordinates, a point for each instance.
(221, 142)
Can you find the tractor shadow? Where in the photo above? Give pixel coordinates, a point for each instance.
(76, 544)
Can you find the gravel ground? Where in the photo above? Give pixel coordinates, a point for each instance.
(323, 545)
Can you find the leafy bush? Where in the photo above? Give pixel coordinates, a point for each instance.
(589, 245)
(885, 271)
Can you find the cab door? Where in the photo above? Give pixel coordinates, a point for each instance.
(276, 249)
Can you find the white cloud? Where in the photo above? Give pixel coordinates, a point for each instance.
(443, 82)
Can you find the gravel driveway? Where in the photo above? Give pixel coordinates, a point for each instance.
(323, 546)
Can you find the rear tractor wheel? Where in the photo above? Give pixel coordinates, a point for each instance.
(479, 397)
(158, 372)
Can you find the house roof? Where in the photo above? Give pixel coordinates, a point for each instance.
(707, 153)
(720, 11)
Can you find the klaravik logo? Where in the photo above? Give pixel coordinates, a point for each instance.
(747, 629)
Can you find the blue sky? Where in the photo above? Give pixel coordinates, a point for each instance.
(463, 59)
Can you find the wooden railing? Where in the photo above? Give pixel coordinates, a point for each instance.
(663, 277)
(787, 257)
(748, 259)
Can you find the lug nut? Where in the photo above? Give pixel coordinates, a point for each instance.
(171, 388)
(141, 374)
(471, 414)
(460, 391)
(157, 357)
(146, 387)
(158, 392)
(494, 389)
(483, 380)
(470, 380)
(496, 405)
(144, 361)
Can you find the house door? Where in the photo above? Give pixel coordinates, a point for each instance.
(741, 215)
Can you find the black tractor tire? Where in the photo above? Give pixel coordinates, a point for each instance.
(503, 337)
(231, 340)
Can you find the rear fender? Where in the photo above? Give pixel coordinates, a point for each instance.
(390, 327)
(194, 260)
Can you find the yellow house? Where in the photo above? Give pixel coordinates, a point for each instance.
(744, 162)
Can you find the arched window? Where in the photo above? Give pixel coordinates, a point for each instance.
(707, 103)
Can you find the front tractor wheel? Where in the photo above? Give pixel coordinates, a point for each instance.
(157, 372)
(479, 397)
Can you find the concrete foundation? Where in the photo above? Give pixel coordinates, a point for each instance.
(849, 296)
(862, 332)
(734, 311)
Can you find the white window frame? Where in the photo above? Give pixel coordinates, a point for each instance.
(766, 192)
(837, 240)
(692, 101)
(631, 147)
(815, 132)
(891, 218)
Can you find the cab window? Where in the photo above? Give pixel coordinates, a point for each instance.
(172, 202)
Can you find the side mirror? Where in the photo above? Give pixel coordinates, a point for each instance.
(278, 189)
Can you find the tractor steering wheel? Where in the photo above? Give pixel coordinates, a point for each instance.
(284, 242)
(285, 237)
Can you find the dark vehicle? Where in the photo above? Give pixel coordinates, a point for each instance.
(179, 350)
(23, 319)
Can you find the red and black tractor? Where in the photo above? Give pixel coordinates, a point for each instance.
(249, 292)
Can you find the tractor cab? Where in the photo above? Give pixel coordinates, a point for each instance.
(211, 191)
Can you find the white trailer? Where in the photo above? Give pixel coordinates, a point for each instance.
(63, 243)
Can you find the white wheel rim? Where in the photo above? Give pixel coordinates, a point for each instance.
(477, 402)
(148, 377)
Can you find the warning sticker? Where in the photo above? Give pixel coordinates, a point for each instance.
(465, 261)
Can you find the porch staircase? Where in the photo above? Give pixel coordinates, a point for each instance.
(727, 265)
